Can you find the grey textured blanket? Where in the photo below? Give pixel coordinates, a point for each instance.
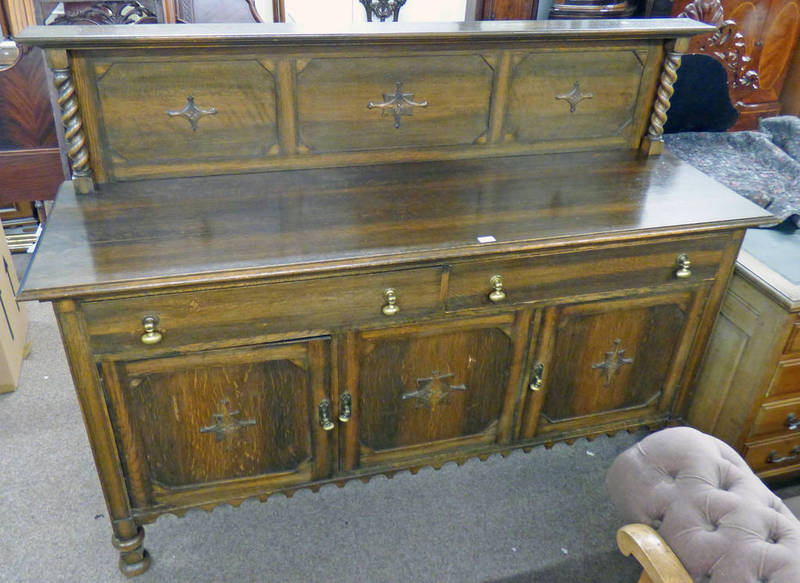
(763, 166)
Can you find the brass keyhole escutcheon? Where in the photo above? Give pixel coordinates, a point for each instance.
(684, 267)
(497, 294)
(325, 414)
(345, 407)
(151, 334)
(390, 308)
(537, 377)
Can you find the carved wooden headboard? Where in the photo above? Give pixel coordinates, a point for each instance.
(755, 42)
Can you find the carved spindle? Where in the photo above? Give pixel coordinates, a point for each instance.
(73, 129)
(382, 9)
(654, 141)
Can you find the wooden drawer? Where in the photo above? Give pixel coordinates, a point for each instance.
(572, 275)
(575, 95)
(333, 96)
(773, 456)
(786, 379)
(139, 100)
(777, 417)
(793, 345)
(254, 312)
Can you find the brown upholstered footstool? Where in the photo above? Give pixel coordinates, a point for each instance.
(723, 524)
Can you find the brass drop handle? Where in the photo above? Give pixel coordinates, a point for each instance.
(497, 294)
(537, 377)
(390, 308)
(792, 422)
(773, 457)
(345, 407)
(325, 415)
(684, 267)
(151, 335)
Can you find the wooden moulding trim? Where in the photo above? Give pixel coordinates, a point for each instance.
(375, 262)
(276, 34)
(259, 488)
(784, 292)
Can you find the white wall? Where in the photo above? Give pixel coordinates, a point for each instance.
(264, 8)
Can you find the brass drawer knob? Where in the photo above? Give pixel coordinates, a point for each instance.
(497, 294)
(684, 267)
(792, 422)
(151, 335)
(390, 308)
(325, 411)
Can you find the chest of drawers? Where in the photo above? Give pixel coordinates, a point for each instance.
(748, 390)
(395, 277)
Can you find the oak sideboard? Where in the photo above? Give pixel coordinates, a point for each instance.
(291, 257)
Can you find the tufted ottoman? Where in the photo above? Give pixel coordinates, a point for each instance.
(721, 521)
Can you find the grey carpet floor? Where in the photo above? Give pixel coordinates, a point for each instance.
(542, 516)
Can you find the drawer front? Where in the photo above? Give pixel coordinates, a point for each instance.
(778, 417)
(786, 379)
(452, 94)
(793, 345)
(568, 275)
(559, 96)
(254, 312)
(773, 456)
(158, 114)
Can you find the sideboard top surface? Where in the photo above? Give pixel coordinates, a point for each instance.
(193, 35)
(172, 232)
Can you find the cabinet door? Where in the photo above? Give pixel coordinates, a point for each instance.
(236, 420)
(420, 391)
(609, 362)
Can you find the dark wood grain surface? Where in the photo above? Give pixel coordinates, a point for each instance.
(163, 35)
(189, 230)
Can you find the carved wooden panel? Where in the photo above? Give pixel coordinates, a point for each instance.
(574, 95)
(109, 12)
(779, 38)
(218, 415)
(613, 358)
(431, 386)
(333, 97)
(756, 41)
(232, 102)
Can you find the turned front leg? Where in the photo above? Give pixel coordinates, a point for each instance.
(133, 557)
(128, 535)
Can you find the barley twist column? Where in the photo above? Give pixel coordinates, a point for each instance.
(653, 142)
(73, 130)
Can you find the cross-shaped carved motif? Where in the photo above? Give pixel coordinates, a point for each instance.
(397, 104)
(614, 361)
(226, 424)
(191, 112)
(575, 96)
(433, 390)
